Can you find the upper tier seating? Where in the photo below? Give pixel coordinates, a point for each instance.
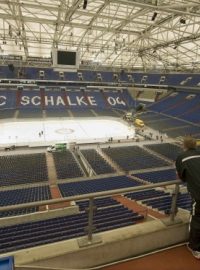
(23, 169)
(134, 158)
(172, 127)
(158, 176)
(33, 103)
(183, 106)
(168, 102)
(168, 150)
(66, 165)
(88, 76)
(98, 164)
(62, 228)
(96, 185)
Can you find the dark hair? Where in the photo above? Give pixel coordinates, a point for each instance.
(189, 143)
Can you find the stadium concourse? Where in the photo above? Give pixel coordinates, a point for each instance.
(95, 99)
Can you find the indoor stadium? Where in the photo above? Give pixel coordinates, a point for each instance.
(96, 98)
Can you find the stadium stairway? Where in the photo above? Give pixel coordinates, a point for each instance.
(55, 192)
(84, 163)
(52, 176)
(95, 114)
(70, 114)
(135, 207)
(78, 157)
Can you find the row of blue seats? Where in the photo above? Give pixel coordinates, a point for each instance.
(98, 163)
(166, 124)
(164, 203)
(66, 165)
(179, 105)
(134, 158)
(188, 130)
(22, 169)
(168, 150)
(96, 185)
(146, 194)
(56, 112)
(74, 99)
(168, 102)
(24, 195)
(158, 176)
(101, 202)
(22, 211)
(138, 78)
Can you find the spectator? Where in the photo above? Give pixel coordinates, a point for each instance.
(188, 169)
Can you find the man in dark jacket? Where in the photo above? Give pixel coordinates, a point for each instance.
(188, 169)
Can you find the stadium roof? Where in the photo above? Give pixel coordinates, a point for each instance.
(139, 34)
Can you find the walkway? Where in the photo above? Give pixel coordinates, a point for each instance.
(178, 258)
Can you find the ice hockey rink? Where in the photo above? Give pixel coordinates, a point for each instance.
(51, 131)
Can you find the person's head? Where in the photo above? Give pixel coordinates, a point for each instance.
(189, 143)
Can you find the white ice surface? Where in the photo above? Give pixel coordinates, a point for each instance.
(78, 130)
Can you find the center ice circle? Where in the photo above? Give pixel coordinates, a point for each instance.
(64, 131)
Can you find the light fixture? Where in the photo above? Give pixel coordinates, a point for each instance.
(183, 20)
(154, 16)
(85, 2)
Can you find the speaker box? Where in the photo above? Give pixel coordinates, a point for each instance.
(139, 107)
(11, 67)
(84, 4)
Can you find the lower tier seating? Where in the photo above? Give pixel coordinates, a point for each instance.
(33, 234)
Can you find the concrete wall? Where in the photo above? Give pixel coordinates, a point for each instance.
(117, 244)
(39, 216)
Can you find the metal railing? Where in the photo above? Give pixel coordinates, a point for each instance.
(92, 196)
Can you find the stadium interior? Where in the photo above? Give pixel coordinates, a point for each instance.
(95, 100)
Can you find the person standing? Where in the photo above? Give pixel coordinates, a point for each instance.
(188, 169)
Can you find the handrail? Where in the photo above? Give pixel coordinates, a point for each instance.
(89, 195)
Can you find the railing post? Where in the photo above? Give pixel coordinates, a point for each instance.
(174, 203)
(90, 219)
(90, 240)
(173, 211)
